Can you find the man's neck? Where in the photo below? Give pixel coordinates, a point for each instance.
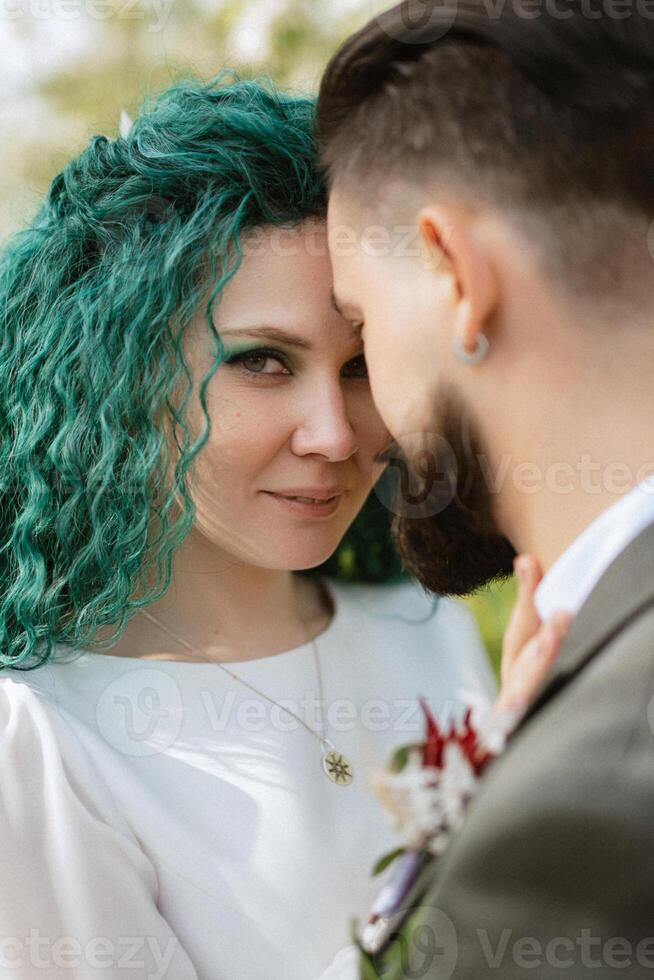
(545, 524)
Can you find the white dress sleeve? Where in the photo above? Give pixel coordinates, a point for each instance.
(78, 896)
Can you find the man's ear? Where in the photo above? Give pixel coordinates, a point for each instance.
(475, 280)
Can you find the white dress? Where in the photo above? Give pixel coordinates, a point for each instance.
(159, 820)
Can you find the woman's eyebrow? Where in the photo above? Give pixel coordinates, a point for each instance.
(276, 333)
(272, 333)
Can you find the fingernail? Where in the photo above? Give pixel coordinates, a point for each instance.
(520, 566)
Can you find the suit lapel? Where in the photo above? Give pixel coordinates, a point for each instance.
(624, 590)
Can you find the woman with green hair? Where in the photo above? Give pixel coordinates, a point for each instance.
(206, 640)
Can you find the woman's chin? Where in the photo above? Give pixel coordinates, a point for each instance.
(304, 559)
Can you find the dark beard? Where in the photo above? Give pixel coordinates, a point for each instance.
(459, 548)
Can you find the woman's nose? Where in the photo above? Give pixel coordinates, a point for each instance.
(325, 426)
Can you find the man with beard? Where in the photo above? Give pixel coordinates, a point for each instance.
(493, 168)
(443, 525)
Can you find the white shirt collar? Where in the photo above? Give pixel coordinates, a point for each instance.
(575, 574)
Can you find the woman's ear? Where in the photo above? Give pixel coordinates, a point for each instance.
(449, 239)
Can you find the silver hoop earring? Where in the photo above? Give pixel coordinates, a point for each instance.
(477, 356)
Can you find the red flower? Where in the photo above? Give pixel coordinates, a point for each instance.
(432, 750)
(467, 739)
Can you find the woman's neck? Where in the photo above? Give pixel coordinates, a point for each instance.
(226, 611)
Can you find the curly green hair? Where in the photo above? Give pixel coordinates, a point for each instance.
(95, 298)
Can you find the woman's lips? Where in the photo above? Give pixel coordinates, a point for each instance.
(307, 508)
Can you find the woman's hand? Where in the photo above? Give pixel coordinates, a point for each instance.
(529, 647)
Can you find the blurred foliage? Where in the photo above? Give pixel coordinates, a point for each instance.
(491, 608)
(366, 553)
(134, 53)
(135, 60)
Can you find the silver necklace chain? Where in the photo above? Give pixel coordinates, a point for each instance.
(335, 765)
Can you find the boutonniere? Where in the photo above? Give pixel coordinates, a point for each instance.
(425, 792)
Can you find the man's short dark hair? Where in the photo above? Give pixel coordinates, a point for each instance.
(545, 109)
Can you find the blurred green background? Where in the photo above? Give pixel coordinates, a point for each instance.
(71, 66)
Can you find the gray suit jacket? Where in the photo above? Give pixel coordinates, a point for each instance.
(552, 875)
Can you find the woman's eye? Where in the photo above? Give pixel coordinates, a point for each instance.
(357, 368)
(255, 362)
(270, 363)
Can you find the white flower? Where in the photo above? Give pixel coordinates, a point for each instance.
(425, 804)
(125, 124)
(457, 785)
(410, 797)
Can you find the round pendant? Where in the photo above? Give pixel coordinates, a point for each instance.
(337, 768)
